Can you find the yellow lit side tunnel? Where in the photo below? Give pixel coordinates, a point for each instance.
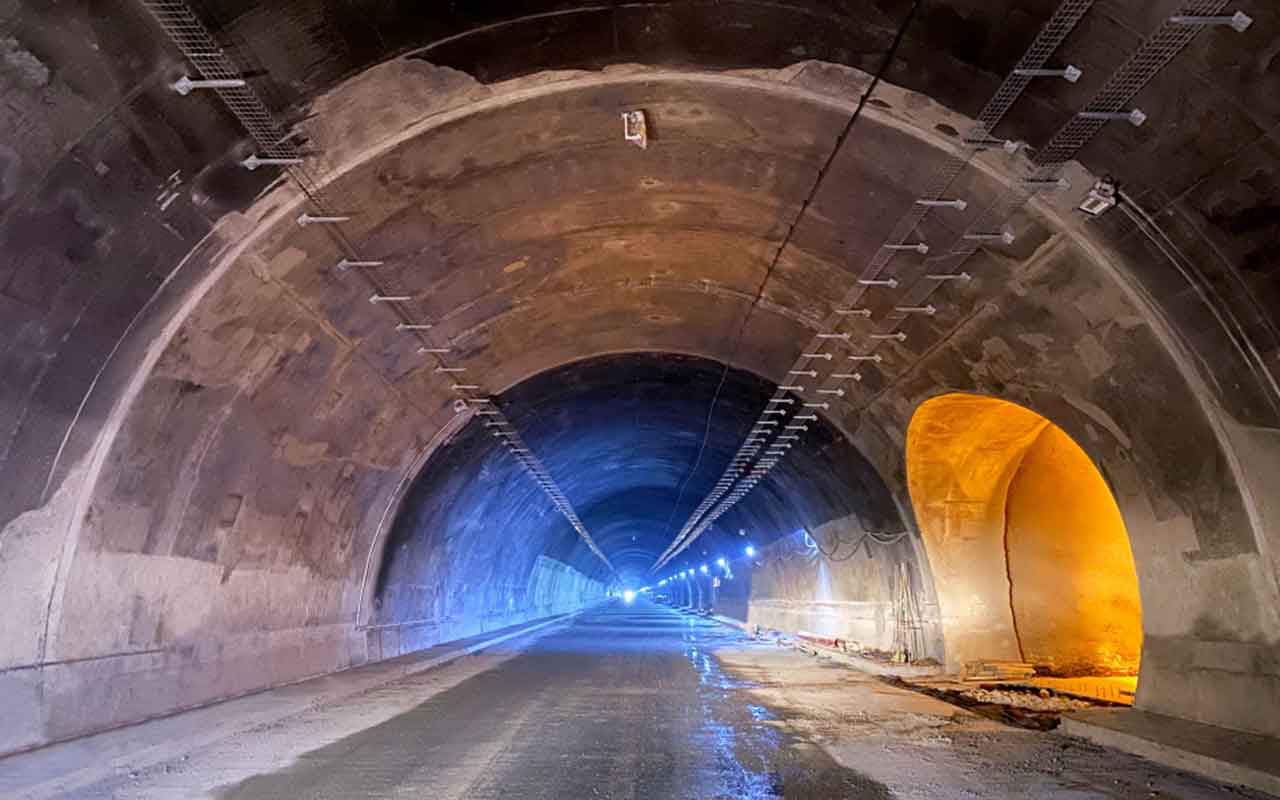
(1027, 546)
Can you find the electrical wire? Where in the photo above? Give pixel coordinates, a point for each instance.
(865, 536)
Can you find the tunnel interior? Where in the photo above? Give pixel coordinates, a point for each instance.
(636, 440)
(248, 406)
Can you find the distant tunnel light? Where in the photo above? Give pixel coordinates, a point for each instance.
(720, 562)
(751, 551)
(704, 569)
(628, 596)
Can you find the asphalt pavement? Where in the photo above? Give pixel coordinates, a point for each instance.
(626, 702)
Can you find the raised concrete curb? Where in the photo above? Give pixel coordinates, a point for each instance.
(870, 665)
(1224, 755)
(840, 656)
(731, 622)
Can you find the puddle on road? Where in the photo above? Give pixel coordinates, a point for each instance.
(748, 754)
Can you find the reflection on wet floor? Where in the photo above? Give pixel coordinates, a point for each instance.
(741, 761)
(629, 701)
(753, 758)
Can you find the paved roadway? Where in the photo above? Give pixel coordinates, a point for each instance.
(626, 702)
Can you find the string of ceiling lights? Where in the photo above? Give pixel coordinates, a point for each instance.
(276, 147)
(819, 377)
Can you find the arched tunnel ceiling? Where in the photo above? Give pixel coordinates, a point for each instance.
(206, 425)
(530, 228)
(529, 235)
(955, 53)
(624, 437)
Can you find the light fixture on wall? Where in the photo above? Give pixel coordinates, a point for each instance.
(1101, 198)
(635, 128)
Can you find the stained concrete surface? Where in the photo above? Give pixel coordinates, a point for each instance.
(226, 741)
(184, 530)
(640, 702)
(628, 702)
(236, 488)
(1229, 756)
(924, 749)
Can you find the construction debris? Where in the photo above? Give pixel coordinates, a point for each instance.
(986, 670)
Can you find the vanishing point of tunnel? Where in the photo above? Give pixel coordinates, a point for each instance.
(672, 399)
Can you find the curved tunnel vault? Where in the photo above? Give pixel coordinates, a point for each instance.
(205, 422)
(635, 440)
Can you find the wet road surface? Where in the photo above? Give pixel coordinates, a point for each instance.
(626, 702)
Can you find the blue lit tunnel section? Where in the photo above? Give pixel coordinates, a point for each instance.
(621, 435)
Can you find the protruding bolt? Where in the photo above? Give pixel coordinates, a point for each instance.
(1046, 184)
(920, 247)
(1239, 21)
(309, 219)
(1135, 117)
(958, 205)
(185, 85)
(1005, 236)
(1067, 73)
(255, 161)
(347, 263)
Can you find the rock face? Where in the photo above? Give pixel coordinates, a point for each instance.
(207, 434)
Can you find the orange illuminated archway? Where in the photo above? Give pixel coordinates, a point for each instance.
(1027, 546)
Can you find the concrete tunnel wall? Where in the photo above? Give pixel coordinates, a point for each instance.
(207, 430)
(836, 580)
